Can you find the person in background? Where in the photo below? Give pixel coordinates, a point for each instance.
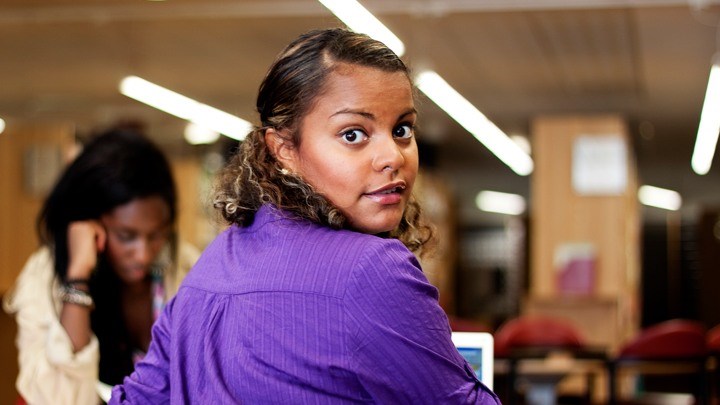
(313, 294)
(86, 300)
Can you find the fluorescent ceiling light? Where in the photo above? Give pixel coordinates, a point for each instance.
(199, 135)
(359, 19)
(660, 198)
(522, 142)
(707, 135)
(457, 107)
(2, 125)
(184, 107)
(503, 203)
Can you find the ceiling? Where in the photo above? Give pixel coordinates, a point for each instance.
(513, 59)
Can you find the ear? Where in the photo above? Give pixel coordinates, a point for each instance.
(281, 147)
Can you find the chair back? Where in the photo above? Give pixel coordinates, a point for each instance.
(536, 331)
(674, 339)
(713, 339)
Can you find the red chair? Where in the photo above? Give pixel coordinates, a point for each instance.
(713, 345)
(537, 339)
(535, 332)
(672, 347)
(713, 339)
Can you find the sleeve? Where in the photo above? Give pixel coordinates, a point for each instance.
(150, 382)
(49, 371)
(399, 337)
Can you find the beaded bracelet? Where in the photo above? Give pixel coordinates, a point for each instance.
(78, 297)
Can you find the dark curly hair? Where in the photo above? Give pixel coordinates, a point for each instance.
(294, 81)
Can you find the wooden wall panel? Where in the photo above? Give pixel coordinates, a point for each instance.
(196, 222)
(186, 174)
(19, 205)
(8, 359)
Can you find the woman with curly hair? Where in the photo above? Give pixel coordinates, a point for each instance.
(313, 294)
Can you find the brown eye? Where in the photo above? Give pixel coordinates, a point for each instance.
(353, 136)
(125, 236)
(403, 131)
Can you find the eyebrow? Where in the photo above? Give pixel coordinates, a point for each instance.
(368, 115)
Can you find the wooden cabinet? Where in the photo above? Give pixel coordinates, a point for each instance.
(563, 214)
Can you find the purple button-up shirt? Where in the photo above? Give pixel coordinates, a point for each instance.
(286, 311)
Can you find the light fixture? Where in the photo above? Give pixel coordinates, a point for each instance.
(2, 125)
(707, 135)
(470, 118)
(184, 107)
(199, 135)
(660, 198)
(355, 16)
(503, 203)
(522, 142)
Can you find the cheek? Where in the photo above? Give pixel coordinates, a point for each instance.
(334, 182)
(114, 251)
(157, 245)
(411, 166)
(324, 169)
(337, 183)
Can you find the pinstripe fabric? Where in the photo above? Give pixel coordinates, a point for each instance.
(286, 312)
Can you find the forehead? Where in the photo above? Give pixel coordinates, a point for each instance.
(342, 71)
(148, 213)
(353, 84)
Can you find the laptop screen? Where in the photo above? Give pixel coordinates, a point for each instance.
(477, 349)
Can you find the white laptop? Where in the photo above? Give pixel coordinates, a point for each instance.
(477, 349)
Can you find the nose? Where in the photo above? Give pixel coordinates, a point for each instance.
(387, 155)
(143, 253)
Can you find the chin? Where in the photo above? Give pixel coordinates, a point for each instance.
(378, 228)
(133, 276)
(376, 222)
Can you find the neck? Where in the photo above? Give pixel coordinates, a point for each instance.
(139, 288)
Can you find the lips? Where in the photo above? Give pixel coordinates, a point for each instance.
(389, 194)
(398, 189)
(136, 272)
(389, 189)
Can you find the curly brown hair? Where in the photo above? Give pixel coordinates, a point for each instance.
(253, 177)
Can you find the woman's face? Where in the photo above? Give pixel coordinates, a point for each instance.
(357, 146)
(136, 233)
